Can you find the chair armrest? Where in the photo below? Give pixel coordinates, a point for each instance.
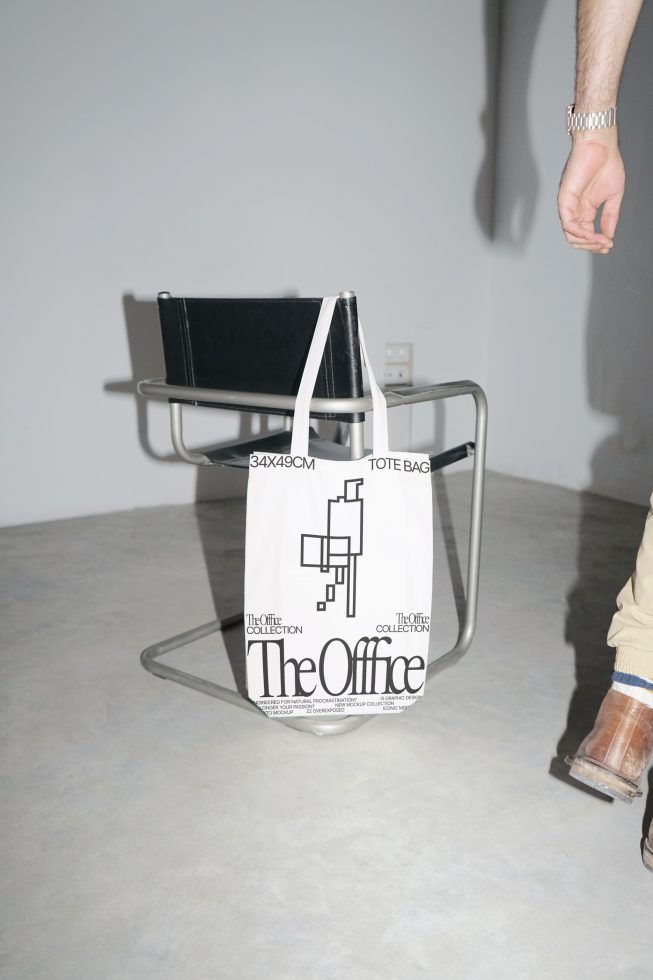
(158, 388)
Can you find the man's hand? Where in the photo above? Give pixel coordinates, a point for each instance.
(594, 176)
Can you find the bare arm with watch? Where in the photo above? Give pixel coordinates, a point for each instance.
(594, 174)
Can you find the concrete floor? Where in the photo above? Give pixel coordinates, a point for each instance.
(153, 832)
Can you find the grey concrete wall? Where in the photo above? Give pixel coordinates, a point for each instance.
(222, 149)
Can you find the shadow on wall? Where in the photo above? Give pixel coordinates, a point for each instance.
(619, 347)
(505, 211)
(619, 335)
(484, 195)
(146, 356)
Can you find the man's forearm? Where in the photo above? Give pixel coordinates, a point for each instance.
(604, 29)
(593, 181)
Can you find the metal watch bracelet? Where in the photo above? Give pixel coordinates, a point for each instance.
(589, 121)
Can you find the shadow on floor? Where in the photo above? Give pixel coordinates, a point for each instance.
(648, 812)
(221, 526)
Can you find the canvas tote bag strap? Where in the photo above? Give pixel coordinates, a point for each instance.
(299, 442)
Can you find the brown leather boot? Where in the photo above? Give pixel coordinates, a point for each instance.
(647, 850)
(617, 751)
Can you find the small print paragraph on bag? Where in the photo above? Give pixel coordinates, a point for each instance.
(338, 569)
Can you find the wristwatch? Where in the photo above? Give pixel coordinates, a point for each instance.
(588, 121)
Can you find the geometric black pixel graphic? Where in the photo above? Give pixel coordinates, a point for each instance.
(338, 550)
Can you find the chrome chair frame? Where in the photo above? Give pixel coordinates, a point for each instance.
(334, 725)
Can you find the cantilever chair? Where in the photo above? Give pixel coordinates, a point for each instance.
(248, 355)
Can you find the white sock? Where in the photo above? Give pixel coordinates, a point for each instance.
(642, 694)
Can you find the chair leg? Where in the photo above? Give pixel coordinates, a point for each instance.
(150, 661)
(336, 725)
(474, 555)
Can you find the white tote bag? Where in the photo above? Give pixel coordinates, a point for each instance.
(338, 569)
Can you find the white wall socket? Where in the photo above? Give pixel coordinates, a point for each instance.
(398, 364)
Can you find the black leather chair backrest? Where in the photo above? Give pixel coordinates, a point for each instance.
(259, 345)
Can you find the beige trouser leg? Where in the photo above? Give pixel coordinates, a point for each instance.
(631, 631)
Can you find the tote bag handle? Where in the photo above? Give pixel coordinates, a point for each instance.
(299, 442)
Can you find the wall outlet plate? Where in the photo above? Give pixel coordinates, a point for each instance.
(398, 364)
